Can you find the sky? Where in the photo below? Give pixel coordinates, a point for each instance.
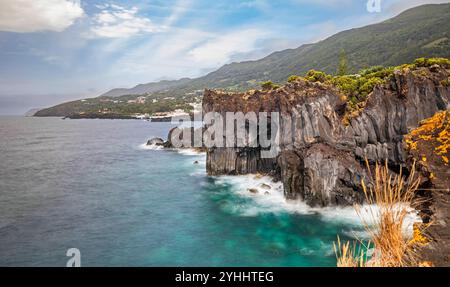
(53, 51)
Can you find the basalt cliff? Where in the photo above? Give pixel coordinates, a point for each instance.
(323, 149)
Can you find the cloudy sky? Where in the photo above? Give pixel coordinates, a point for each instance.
(55, 50)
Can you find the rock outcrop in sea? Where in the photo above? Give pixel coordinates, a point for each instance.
(322, 158)
(155, 142)
(176, 139)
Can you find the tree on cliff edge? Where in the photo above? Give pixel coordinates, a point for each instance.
(343, 64)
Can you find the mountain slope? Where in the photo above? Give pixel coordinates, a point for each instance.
(147, 88)
(422, 31)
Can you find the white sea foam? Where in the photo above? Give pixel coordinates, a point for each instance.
(199, 158)
(183, 151)
(195, 156)
(190, 152)
(150, 147)
(273, 201)
(199, 166)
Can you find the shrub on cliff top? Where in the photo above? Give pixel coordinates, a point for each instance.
(366, 85)
(428, 62)
(294, 78)
(371, 70)
(269, 85)
(317, 76)
(347, 84)
(357, 88)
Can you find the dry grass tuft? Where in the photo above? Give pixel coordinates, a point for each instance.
(349, 257)
(390, 199)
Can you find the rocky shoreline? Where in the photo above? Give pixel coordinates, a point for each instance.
(116, 117)
(324, 163)
(112, 116)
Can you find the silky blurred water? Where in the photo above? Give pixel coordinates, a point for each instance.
(90, 185)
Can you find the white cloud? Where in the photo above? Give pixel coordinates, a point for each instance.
(180, 8)
(182, 53)
(118, 22)
(220, 49)
(24, 16)
(163, 55)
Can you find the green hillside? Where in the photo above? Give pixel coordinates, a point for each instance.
(420, 32)
(423, 31)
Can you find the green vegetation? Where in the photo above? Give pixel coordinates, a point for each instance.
(343, 64)
(268, 85)
(418, 32)
(390, 43)
(294, 78)
(317, 76)
(128, 105)
(355, 88)
(428, 62)
(358, 87)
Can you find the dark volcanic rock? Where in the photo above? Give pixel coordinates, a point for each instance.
(265, 186)
(156, 142)
(185, 138)
(321, 159)
(321, 175)
(236, 161)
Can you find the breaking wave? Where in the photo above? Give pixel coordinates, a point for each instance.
(266, 196)
(150, 147)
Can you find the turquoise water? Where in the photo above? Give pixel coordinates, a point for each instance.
(90, 184)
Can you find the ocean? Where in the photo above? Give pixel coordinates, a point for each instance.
(94, 185)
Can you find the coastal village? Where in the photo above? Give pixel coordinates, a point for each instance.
(143, 107)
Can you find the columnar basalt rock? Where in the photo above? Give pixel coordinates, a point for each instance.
(235, 161)
(322, 159)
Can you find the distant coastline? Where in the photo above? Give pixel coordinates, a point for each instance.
(161, 118)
